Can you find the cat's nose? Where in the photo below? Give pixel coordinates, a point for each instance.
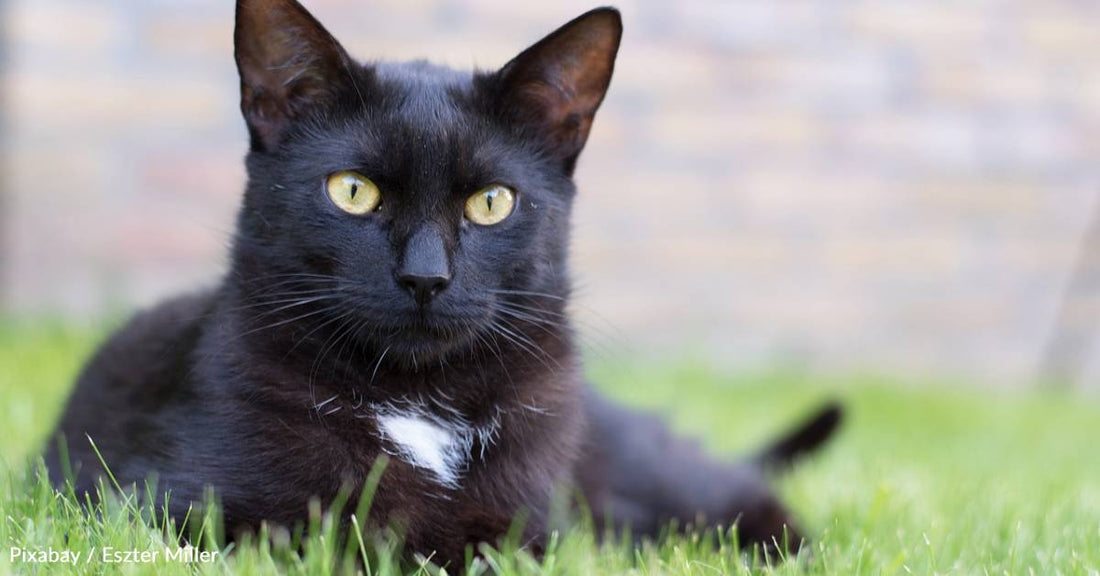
(423, 288)
(424, 272)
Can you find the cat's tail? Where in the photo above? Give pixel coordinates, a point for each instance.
(804, 439)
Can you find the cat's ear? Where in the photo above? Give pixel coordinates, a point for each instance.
(288, 63)
(559, 82)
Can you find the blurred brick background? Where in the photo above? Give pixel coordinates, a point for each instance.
(901, 186)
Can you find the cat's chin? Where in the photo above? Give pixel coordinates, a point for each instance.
(419, 342)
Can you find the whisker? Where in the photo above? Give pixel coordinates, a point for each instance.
(522, 342)
(529, 293)
(284, 299)
(293, 276)
(334, 338)
(509, 304)
(533, 319)
(288, 320)
(377, 364)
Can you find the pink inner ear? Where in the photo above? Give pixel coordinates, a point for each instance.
(567, 115)
(562, 79)
(287, 62)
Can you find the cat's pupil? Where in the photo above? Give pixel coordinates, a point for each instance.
(489, 201)
(354, 189)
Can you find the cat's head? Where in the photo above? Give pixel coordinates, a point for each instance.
(418, 206)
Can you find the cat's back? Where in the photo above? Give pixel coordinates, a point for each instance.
(132, 389)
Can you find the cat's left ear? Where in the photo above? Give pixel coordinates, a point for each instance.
(560, 82)
(288, 64)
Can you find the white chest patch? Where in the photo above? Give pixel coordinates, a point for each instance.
(426, 441)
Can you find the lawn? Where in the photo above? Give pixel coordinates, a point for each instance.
(924, 478)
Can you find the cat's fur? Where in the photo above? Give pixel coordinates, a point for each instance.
(310, 360)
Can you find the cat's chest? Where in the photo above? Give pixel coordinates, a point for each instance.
(441, 444)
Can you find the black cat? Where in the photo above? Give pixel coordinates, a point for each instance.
(398, 285)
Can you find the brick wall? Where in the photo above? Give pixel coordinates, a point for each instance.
(847, 184)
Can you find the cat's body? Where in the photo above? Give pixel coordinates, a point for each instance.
(400, 315)
(251, 424)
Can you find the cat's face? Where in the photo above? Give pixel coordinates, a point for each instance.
(417, 207)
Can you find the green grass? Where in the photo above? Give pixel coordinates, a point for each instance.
(924, 478)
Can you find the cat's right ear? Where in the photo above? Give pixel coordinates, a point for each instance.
(288, 63)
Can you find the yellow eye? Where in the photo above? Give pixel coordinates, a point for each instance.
(490, 205)
(353, 192)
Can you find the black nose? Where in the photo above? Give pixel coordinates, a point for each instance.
(424, 271)
(423, 288)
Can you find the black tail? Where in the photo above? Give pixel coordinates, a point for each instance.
(806, 438)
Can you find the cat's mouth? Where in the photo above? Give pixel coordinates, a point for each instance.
(426, 336)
